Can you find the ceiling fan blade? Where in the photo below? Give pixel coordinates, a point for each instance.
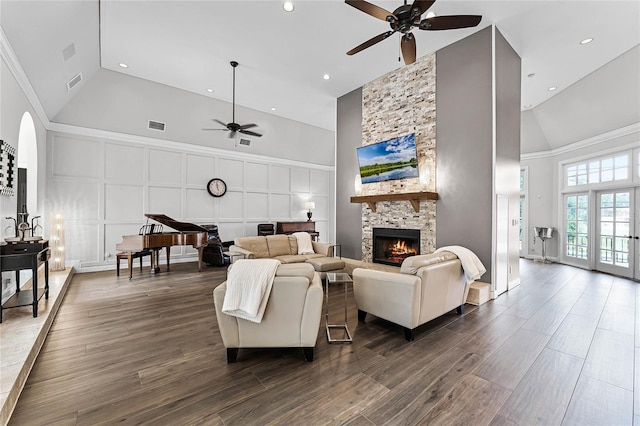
(408, 45)
(232, 134)
(420, 6)
(370, 9)
(451, 22)
(226, 130)
(249, 132)
(370, 42)
(219, 122)
(246, 126)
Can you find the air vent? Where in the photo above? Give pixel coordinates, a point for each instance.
(74, 81)
(156, 125)
(69, 51)
(245, 142)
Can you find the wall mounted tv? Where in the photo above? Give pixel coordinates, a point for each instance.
(389, 160)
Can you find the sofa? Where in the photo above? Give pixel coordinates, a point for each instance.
(291, 317)
(285, 248)
(426, 287)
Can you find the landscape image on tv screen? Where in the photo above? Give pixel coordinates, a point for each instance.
(389, 160)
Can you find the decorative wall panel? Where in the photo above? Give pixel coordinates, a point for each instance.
(123, 202)
(279, 178)
(257, 176)
(256, 206)
(200, 206)
(200, 169)
(74, 157)
(165, 167)
(77, 199)
(299, 180)
(230, 206)
(85, 237)
(124, 163)
(165, 201)
(232, 172)
(279, 206)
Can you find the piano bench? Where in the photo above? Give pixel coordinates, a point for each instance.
(134, 255)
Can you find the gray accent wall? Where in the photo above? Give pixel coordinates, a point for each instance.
(348, 139)
(464, 159)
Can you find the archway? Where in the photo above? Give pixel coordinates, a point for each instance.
(28, 161)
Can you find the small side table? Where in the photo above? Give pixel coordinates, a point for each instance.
(344, 279)
(233, 254)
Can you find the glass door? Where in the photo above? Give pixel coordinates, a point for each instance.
(615, 228)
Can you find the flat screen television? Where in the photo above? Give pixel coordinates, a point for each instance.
(394, 159)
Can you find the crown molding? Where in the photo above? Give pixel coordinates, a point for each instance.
(11, 60)
(594, 140)
(117, 137)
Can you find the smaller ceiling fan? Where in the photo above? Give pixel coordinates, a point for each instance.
(234, 127)
(404, 18)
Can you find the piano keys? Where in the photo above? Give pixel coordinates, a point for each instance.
(188, 234)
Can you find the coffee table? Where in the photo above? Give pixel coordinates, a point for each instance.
(332, 279)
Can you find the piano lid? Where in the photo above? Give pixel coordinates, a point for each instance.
(178, 226)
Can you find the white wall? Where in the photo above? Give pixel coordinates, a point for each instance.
(104, 183)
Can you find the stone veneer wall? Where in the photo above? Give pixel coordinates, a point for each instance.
(396, 104)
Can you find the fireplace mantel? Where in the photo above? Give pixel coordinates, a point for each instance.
(413, 197)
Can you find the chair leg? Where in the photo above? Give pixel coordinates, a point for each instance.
(361, 315)
(141, 256)
(232, 354)
(308, 354)
(408, 334)
(460, 309)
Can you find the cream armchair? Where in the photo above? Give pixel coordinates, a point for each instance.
(426, 287)
(291, 318)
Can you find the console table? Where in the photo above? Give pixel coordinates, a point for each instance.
(26, 255)
(291, 227)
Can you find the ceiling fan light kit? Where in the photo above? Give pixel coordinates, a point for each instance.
(234, 127)
(404, 19)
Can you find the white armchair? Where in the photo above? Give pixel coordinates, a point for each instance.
(291, 318)
(426, 287)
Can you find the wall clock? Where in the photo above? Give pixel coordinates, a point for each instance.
(217, 187)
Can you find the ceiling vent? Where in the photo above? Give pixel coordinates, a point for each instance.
(156, 125)
(245, 142)
(74, 81)
(69, 51)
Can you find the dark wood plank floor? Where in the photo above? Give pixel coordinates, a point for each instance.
(562, 348)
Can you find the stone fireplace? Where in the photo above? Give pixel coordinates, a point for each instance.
(392, 246)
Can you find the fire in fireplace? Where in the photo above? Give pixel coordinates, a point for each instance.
(392, 246)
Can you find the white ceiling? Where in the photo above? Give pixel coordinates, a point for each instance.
(283, 56)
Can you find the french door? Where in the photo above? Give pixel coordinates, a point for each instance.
(617, 233)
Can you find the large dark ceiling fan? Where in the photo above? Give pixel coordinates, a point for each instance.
(234, 127)
(404, 19)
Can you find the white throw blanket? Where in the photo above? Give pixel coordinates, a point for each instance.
(471, 265)
(248, 288)
(304, 242)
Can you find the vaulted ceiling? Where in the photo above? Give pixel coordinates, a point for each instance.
(283, 56)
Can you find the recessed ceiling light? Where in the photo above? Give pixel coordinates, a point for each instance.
(326, 76)
(123, 65)
(210, 90)
(273, 108)
(552, 88)
(528, 106)
(533, 74)
(586, 41)
(430, 15)
(288, 6)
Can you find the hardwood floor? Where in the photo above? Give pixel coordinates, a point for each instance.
(562, 348)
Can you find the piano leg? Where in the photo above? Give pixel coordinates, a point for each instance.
(155, 258)
(168, 251)
(130, 263)
(200, 251)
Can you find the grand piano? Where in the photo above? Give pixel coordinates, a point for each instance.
(151, 239)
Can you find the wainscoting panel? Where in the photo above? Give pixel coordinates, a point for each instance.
(257, 177)
(230, 206)
(279, 206)
(232, 172)
(165, 200)
(200, 169)
(256, 206)
(68, 165)
(123, 163)
(320, 181)
(165, 167)
(85, 237)
(78, 200)
(123, 202)
(279, 178)
(199, 206)
(299, 180)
